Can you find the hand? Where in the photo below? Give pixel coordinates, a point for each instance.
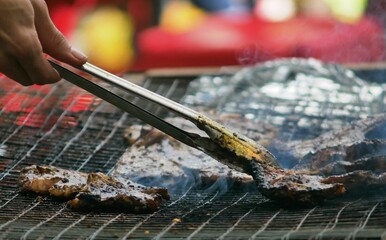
(26, 34)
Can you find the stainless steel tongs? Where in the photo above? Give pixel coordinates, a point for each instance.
(222, 143)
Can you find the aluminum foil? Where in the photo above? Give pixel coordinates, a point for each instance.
(303, 97)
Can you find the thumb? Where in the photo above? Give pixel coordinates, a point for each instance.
(52, 40)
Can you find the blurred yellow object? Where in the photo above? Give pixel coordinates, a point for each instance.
(105, 35)
(349, 11)
(180, 16)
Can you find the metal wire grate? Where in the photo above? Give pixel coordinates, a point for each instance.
(64, 126)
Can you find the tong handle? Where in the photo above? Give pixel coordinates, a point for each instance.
(125, 85)
(223, 144)
(107, 95)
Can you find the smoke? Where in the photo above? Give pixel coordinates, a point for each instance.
(192, 179)
(249, 55)
(154, 159)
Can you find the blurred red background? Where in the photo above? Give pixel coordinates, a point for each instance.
(130, 35)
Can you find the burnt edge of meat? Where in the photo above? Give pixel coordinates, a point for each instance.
(106, 193)
(142, 140)
(359, 181)
(93, 191)
(345, 157)
(243, 154)
(51, 181)
(351, 156)
(286, 187)
(290, 188)
(376, 164)
(354, 132)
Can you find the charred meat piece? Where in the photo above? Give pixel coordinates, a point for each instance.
(353, 133)
(358, 167)
(90, 191)
(48, 180)
(299, 186)
(104, 192)
(369, 154)
(274, 182)
(358, 180)
(155, 158)
(301, 189)
(348, 157)
(349, 152)
(168, 158)
(376, 164)
(292, 187)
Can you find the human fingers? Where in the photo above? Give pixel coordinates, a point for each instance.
(12, 69)
(20, 47)
(52, 40)
(32, 59)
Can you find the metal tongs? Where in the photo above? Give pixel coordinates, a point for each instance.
(222, 143)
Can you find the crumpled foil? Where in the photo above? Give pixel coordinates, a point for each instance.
(303, 97)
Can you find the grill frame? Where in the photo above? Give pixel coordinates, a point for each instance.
(92, 134)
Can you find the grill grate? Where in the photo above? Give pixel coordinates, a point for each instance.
(64, 126)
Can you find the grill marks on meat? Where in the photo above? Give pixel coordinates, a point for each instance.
(329, 165)
(155, 158)
(350, 159)
(369, 154)
(104, 192)
(358, 167)
(358, 180)
(354, 132)
(293, 187)
(166, 157)
(90, 191)
(52, 181)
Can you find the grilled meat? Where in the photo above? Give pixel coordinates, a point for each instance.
(295, 188)
(155, 158)
(90, 191)
(52, 181)
(356, 180)
(334, 153)
(274, 182)
(292, 187)
(369, 154)
(348, 156)
(377, 164)
(353, 133)
(167, 161)
(104, 192)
